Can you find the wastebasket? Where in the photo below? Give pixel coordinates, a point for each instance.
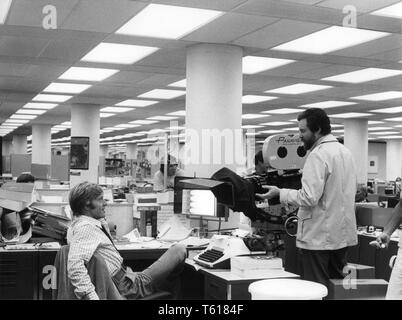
(287, 289)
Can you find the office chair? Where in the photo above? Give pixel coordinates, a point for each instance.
(100, 277)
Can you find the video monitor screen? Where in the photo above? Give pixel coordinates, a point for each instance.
(196, 202)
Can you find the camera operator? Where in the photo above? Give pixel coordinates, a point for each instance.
(327, 223)
(260, 168)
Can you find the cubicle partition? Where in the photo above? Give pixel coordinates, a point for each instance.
(20, 163)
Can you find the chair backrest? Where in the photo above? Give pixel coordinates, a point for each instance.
(97, 270)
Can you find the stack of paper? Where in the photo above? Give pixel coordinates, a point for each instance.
(246, 266)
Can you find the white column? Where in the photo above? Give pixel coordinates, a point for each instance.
(6, 147)
(41, 144)
(213, 109)
(132, 151)
(356, 140)
(394, 159)
(103, 151)
(85, 122)
(19, 144)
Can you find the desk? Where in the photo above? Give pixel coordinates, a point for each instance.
(222, 284)
(26, 274)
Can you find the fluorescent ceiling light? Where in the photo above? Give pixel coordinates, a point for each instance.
(251, 127)
(384, 133)
(23, 116)
(284, 111)
(299, 88)
(271, 131)
(327, 104)
(394, 119)
(4, 8)
(337, 125)
(51, 97)
(16, 121)
(152, 131)
(106, 115)
(136, 103)
(87, 74)
(161, 118)
(364, 75)
(179, 84)
(253, 133)
(31, 111)
(66, 87)
(380, 96)
(350, 115)
(391, 137)
(379, 128)
(127, 125)
(338, 131)
(254, 116)
(392, 11)
(276, 123)
(168, 22)
(162, 94)
(175, 128)
(118, 53)
(36, 105)
(144, 121)
(374, 122)
(388, 110)
(67, 123)
(116, 109)
(180, 113)
(253, 64)
(330, 39)
(291, 129)
(249, 99)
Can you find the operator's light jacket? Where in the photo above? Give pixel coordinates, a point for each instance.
(327, 213)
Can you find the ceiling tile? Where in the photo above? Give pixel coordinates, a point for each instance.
(68, 50)
(361, 5)
(21, 46)
(393, 55)
(229, 27)
(293, 69)
(278, 33)
(128, 77)
(327, 71)
(13, 69)
(387, 43)
(223, 5)
(304, 2)
(164, 58)
(102, 15)
(289, 10)
(30, 13)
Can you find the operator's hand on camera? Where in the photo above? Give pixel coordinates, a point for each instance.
(382, 241)
(272, 192)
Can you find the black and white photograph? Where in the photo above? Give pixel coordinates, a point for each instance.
(201, 155)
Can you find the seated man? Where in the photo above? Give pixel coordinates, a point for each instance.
(89, 234)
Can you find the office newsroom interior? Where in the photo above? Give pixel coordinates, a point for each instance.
(104, 91)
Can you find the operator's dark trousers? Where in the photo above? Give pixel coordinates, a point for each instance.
(322, 265)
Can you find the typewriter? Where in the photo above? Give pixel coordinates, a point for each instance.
(221, 248)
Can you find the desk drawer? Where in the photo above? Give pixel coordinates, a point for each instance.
(18, 274)
(214, 289)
